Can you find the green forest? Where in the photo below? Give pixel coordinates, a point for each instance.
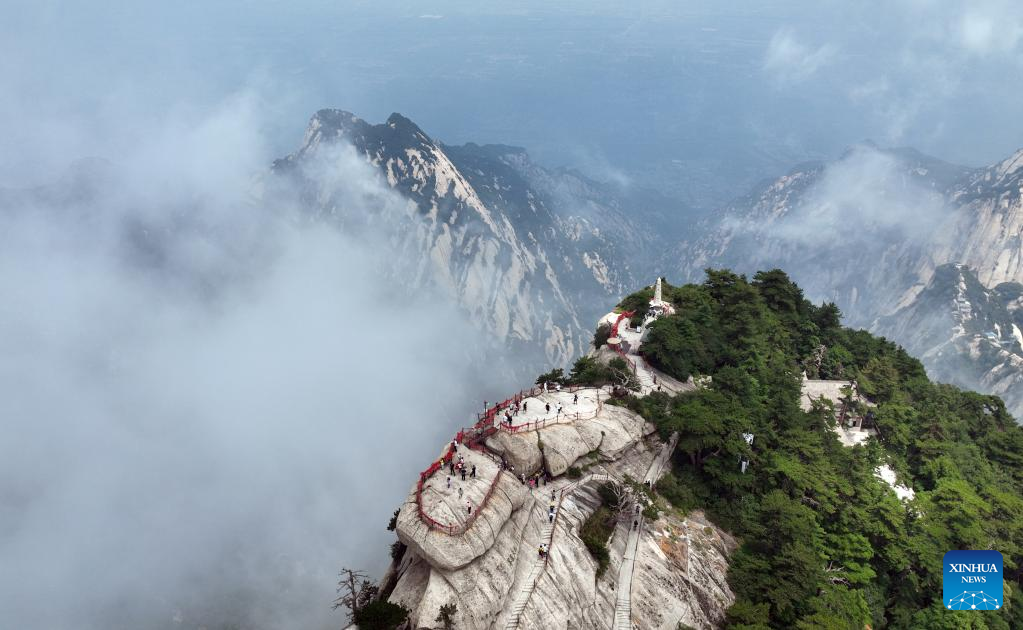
(825, 543)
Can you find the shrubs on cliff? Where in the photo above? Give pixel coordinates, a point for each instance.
(380, 615)
(589, 371)
(825, 543)
(594, 533)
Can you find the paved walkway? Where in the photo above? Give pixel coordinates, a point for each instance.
(531, 579)
(542, 495)
(536, 407)
(649, 378)
(448, 505)
(623, 603)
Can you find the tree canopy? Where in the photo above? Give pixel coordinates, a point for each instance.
(825, 543)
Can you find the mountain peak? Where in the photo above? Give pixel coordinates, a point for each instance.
(1011, 164)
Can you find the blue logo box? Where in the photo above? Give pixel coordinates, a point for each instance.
(972, 580)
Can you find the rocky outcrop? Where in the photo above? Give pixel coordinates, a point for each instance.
(485, 570)
(966, 333)
(447, 552)
(559, 446)
(683, 564)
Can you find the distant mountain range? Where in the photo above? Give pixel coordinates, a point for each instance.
(900, 241)
(528, 251)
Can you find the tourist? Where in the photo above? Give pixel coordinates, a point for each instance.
(525, 403)
(635, 524)
(459, 492)
(575, 399)
(559, 409)
(523, 477)
(557, 386)
(548, 407)
(449, 482)
(463, 473)
(468, 506)
(473, 473)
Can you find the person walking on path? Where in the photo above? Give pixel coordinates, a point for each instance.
(473, 473)
(449, 482)
(463, 473)
(557, 387)
(575, 399)
(559, 410)
(548, 407)
(468, 506)
(525, 403)
(459, 492)
(523, 477)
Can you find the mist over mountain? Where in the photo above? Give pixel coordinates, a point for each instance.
(230, 335)
(530, 253)
(178, 365)
(870, 231)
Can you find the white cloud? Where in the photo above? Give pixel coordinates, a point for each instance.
(865, 194)
(200, 390)
(791, 61)
(988, 29)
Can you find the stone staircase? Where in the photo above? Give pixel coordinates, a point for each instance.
(623, 603)
(530, 583)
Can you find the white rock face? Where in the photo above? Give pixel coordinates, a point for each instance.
(887, 474)
(453, 552)
(682, 567)
(523, 250)
(680, 575)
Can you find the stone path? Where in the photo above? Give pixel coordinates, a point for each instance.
(530, 583)
(646, 374)
(547, 538)
(623, 603)
(445, 504)
(536, 411)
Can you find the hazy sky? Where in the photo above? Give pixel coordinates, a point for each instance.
(704, 92)
(205, 394)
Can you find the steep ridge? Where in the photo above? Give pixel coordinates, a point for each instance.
(966, 333)
(489, 566)
(518, 246)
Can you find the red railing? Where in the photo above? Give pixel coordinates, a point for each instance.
(474, 438)
(536, 425)
(618, 347)
(449, 453)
